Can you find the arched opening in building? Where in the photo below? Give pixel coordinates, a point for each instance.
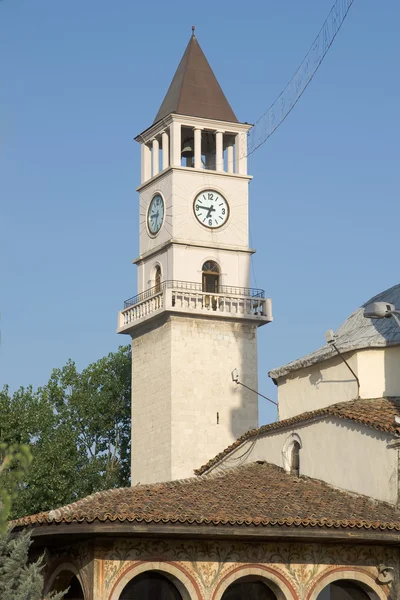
(66, 579)
(295, 459)
(346, 589)
(150, 586)
(249, 588)
(211, 277)
(157, 279)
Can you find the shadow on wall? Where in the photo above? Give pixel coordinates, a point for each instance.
(245, 417)
(316, 379)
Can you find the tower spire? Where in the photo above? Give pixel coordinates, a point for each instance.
(194, 90)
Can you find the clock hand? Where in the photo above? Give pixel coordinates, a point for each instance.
(210, 210)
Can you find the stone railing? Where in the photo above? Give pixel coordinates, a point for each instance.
(177, 298)
(142, 309)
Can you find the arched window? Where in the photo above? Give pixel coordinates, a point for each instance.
(157, 279)
(295, 459)
(150, 586)
(346, 590)
(211, 275)
(250, 589)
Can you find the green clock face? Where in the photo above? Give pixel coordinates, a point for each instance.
(211, 209)
(155, 214)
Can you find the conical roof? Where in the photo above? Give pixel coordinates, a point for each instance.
(356, 333)
(194, 90)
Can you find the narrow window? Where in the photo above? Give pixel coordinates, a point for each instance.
(295, 459)
(157, 283)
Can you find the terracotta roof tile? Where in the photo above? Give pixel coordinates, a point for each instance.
(258, 494)
(377, 413)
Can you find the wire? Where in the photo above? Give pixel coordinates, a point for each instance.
(269, 122)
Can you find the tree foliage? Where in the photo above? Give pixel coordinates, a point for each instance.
(19, 578)
(14, 463)
(78, 429)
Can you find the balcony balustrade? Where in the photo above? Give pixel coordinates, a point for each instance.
(188, 297)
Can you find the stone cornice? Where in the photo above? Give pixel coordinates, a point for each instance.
(205, 172)
(183, 242)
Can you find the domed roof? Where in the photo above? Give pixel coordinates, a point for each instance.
(355, 333)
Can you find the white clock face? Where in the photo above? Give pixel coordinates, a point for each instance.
(211, 209)
(155, 214)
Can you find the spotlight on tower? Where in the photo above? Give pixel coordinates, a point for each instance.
(235, 379)
(235, 376)
(379, 310)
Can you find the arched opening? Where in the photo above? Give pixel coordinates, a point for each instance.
(295, 459)
(346, 589)
(150, 585)
(249, 588)
(211, 277)
(66, 579)
(157, 279)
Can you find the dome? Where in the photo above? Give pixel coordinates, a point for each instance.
(356, 333)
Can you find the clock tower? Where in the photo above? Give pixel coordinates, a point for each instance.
(195, 317)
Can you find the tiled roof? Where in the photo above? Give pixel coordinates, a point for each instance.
(378, 413)
(258, 494)
(356, 333)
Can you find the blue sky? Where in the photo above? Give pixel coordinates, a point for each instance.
(78, 80)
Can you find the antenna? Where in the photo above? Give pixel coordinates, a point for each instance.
(331, 337)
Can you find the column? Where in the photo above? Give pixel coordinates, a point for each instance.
(197, 148)
(229, 158)
(156, 156)
(175, 135)
(146, 162)
(165, 150)
(241, 153)
(219, 151)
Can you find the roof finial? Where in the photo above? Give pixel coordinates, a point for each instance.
(193, 30)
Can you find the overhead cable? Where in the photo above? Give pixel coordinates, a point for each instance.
(269, 122)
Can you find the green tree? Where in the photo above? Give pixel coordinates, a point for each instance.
(78, 429)
(95, 404)
(14, 464)
(19, 578)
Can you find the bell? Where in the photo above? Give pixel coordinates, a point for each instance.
(187, 148)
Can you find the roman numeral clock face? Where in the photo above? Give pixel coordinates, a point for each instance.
(211, 209)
